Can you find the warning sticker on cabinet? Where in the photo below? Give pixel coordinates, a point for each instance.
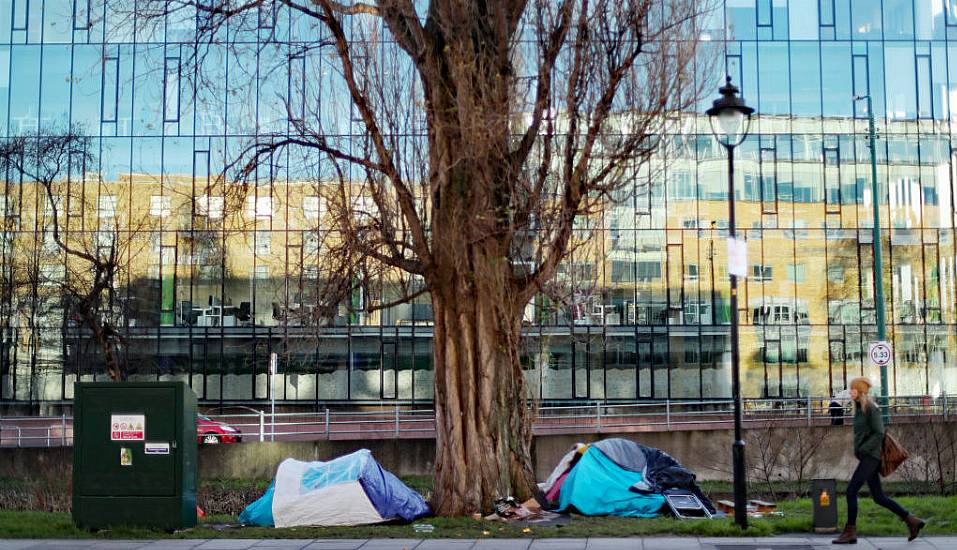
(127, 427)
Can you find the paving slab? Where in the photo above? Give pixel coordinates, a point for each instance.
(166, 545)
(616, 544)
(119, 544)
(67, 544)
(830, 546)
(900, 543)
(334, 544)
(708, 542)
(671, 543)
(764, 545)
(502, 544)
(227, 544)
(445, 544)
(558, 544)
(391, 544)
(171, 544)
(281, 544)
(944, 543)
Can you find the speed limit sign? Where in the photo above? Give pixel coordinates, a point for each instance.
(880, 353)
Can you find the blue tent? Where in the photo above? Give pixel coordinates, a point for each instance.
(350, 490)
(597, 486)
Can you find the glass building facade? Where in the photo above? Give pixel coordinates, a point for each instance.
(208, 292)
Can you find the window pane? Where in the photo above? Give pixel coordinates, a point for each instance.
(899, 19)
(775, 79)
(899, 77)
(806, 98)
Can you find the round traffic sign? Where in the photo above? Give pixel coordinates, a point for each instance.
(880, 353)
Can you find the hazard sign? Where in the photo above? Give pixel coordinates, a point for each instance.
(127, 427)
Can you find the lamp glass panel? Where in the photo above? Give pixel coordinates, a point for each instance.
(730, 121)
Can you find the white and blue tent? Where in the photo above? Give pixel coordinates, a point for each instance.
(350, 490)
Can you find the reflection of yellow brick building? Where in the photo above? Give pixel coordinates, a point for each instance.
(217, 276)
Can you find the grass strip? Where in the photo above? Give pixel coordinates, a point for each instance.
(873, 521)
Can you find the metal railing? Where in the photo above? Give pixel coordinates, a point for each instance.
(36, 431)
(394, 422)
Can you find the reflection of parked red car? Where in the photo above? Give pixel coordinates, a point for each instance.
(211, 432)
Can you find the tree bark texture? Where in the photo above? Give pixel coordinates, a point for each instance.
(483, 429)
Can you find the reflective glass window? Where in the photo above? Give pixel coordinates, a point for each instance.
(929, 18)
(836, 89)
(898, 19)
(899, 78)
(866, 18)
(25, 88)
(775, 81)
(806, 90)
(803, 19)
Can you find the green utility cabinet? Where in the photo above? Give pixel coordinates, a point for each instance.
(134, 455)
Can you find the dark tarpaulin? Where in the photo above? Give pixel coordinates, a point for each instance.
(664, 472)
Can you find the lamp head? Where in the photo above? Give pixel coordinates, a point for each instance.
(730, 117)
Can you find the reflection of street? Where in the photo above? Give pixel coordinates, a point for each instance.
(400, 423)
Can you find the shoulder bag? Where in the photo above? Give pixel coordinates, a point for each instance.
(892, 455)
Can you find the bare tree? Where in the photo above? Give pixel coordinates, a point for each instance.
(764, 446)
(76, 271)
(933, 460)
(778, 455)
(801, 457)
(463, 144)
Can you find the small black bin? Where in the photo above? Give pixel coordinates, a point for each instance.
(824, 497)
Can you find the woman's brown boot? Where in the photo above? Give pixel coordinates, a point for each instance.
(849, 536)
(914, 525)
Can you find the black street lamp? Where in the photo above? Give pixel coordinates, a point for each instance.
(730, 121)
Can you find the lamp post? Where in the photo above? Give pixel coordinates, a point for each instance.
(730, 121)
(878, 266)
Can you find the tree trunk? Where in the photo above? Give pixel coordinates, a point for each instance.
(483, 427)
(106, 346)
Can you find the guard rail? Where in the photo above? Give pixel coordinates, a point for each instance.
(388, 422)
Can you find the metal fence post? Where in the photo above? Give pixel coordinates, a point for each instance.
(668, 412)
(945, 406)
(262, 426)
(63, 430)
(598, 414)
(396, 421)
(809, 405)
(327, 423)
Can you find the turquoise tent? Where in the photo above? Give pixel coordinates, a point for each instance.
(597, 486)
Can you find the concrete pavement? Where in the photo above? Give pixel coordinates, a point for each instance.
(648, 543)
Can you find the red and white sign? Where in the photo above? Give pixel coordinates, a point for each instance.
(127, 427)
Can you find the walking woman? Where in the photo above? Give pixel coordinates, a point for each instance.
(868, 439)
